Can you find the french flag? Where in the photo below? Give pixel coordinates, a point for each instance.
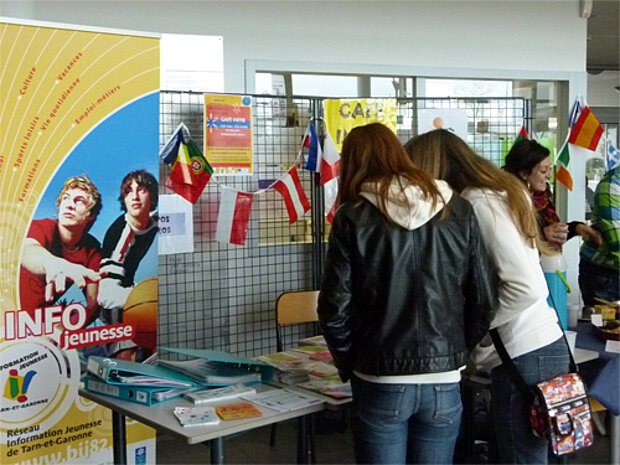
(315, 154)
(233, 217)
(331, 159)
(295, 199)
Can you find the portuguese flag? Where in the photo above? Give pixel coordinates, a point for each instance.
(191, 172)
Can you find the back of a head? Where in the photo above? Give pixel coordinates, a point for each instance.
(446, 156)
(373, 153)
(523, 156)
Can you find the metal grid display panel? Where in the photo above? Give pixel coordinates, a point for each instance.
(492, 123)
(223, 296)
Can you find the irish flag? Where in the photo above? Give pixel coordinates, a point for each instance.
(233, 216)
(587, 131)
(295, 199)
(561, 174)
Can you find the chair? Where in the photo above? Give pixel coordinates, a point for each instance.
(293, 308)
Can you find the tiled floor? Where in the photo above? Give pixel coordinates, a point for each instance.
(332, 447)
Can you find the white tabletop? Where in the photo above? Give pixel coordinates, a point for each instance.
(161, 417)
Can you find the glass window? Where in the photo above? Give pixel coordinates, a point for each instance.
(320, 85)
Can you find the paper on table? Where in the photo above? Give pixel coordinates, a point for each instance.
(612, 346)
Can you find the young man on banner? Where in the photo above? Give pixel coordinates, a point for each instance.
(58, 253)
(126, 243)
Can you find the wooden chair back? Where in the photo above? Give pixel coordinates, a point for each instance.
(295, 308)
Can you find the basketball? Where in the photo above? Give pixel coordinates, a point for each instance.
(140, 311)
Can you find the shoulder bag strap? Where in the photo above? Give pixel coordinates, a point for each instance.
(512, 369)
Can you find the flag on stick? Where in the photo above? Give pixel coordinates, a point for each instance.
(562, 175)
(190, 172)
(330, 193)
(315, 154)
(233, 216)
(295, 199)
(331, 159)
(168, 153)
(612, 157)
(522, 135)
(587, 131)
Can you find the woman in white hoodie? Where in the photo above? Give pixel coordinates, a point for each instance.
(408, 291)
(526, 324)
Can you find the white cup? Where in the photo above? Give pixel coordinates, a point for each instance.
(571, 337)
(574, 312)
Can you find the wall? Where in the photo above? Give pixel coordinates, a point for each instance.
(486, 35)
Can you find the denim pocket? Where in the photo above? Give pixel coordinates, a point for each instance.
(448, 405)
(552, 365)
(379, 403)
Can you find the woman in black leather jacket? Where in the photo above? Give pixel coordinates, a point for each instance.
(407, 292)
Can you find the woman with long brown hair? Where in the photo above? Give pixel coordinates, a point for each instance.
(526, 324)
(407, 292)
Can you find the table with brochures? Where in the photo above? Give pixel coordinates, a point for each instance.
(162, 418)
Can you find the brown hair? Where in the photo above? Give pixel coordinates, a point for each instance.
(446, 156)
(373, 153)
(83, 182)
(143, 178)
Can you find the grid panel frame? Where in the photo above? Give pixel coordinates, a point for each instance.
(223, 296)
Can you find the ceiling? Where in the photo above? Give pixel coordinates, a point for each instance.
(603, 51)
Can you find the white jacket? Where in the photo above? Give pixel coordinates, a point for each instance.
(524, 320)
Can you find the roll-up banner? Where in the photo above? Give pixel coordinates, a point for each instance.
(79, 122)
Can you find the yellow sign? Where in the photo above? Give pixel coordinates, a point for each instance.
(71, 103)
(343, 115)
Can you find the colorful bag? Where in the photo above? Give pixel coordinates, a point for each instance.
(560, 411)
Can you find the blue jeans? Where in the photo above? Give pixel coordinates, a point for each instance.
(515, 441)
(405, 423)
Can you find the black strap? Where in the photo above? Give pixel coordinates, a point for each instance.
(512, 369)
(505, 357)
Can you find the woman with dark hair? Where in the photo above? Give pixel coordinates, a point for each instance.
(530, 162)
(526, 324)
(407, 292)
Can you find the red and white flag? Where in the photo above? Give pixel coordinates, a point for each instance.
(330, 193)
(233, 216)
(295, 199)
(331, 159)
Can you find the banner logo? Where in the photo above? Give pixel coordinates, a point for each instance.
(16, 386)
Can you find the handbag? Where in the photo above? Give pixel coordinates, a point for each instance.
(559, 408)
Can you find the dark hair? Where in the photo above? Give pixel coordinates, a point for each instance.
(373, 153)
(446, 156)
(142, 178)
(523, 156)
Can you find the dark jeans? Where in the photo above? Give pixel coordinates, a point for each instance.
(405, 423)
(515, 441)
(597, 281)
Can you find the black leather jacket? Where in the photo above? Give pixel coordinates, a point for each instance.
(395, 301)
